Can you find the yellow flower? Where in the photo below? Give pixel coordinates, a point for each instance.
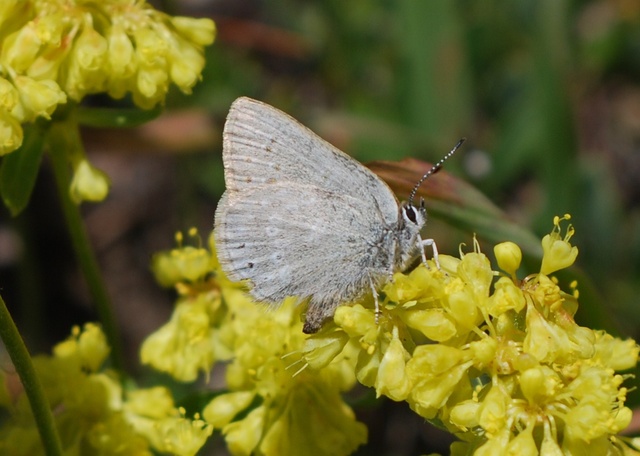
(84, 67)
(507, 296)
(615, 353)
(198, 31)
(88, 347)
(182, 436)
(88, 183)
(436, 324)
(153, 414)
(224, 408)
(37, 98)
(183, 264)
(243, 436)
(183, 347)
(436, 374)
(392, 379)
(9, 9)
(558, 253)
(523, 444)
(9, 97)
(21, 47)
(323, 347)
(509, 257)
(120, 58)
(495, 444)
(333, 425)
(11, 134)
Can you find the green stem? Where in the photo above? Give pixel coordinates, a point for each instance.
(64, 140)
(32, 387)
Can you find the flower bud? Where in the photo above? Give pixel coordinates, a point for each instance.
(508, 256)
(88, 183)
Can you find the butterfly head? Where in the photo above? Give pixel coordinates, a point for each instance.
(414, 215)
(413, 218)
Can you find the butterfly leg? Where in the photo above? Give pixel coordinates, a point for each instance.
(375, 299)
(426, 243)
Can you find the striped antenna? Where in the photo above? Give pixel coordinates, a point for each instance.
(434, 170)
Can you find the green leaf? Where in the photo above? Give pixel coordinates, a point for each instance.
(20, 168)
(110, 118)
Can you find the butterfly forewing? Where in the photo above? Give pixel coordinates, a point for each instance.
(263, 145)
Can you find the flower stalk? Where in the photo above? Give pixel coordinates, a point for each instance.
(63, 138)
(31, 383)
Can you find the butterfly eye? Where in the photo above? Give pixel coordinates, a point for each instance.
(411, 214)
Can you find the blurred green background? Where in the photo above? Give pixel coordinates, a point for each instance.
(547, 93)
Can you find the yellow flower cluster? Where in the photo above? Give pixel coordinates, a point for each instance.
(194, 338)
(274, 406)
(93, 414)
(497, 360)
(53, 50)
(501, 363)
(288, 410)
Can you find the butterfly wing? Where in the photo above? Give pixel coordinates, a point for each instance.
(302, 241)
(263, 145)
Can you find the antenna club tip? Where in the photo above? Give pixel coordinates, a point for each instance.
(435, 168)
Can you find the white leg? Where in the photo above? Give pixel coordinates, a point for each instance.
(375, 299)
(422, 244)
(429, 242)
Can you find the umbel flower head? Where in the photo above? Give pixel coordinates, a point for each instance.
(497, 360)
(93, 413)
(273, 406)
(54, 50)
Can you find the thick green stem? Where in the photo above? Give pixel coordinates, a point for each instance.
(64, 140)
(32, 387)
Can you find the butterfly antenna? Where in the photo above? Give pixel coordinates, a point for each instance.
(434, 170)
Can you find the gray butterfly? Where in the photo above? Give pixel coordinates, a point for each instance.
(301, 218)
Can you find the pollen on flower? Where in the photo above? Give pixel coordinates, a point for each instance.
(574, 287)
